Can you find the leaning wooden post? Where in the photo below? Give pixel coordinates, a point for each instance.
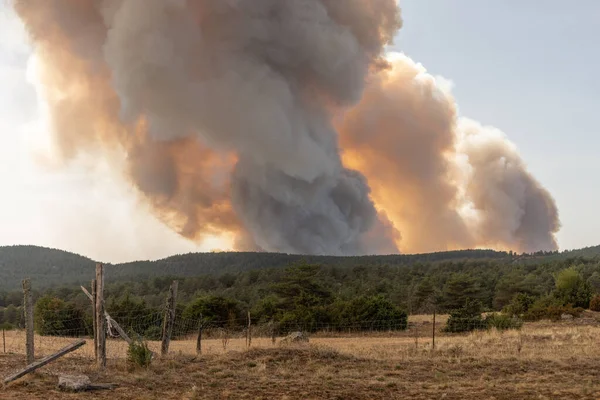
(28, 308)
(199, 340)
(100, 319)
(46, 360)
(169, 319)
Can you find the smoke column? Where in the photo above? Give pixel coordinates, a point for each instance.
(282, 123)
(447, 182)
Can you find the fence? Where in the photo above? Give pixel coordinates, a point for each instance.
(109, 335)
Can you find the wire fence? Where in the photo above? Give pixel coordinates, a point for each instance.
(222, 335)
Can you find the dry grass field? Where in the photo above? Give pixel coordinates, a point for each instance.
(541, 361)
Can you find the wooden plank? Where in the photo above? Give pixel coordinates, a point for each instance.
(110, 320)
(169, 319)
(28, 309)
(100, 319)
(46, 360)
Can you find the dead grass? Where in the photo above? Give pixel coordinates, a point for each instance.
(542, 361)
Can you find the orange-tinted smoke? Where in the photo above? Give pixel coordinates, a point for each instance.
(445, 182)
(399, 137)
(185, 182)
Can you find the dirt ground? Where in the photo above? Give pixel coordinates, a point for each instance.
(542, 361)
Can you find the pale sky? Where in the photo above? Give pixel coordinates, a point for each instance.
(528, 68)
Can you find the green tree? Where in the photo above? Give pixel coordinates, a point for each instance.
(55, 317)
(301, 288)
(11, 314)
(217, 311)
(370, 312)
(594, 282)
(460, 288)
(572, 289)
(466, 318)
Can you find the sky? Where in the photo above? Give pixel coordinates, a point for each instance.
(527, 69)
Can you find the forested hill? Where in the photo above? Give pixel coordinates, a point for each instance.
(50, 267)
(44, 266)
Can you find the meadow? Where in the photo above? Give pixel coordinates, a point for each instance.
(542, 360)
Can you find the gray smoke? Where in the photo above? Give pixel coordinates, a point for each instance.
(224, 110)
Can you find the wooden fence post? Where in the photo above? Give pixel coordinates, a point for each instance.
(3, 341)
(28, 309)
(169, 319)
(100, 334)
(94, 321)
(433, 330)
(199, 340)
(249, 333)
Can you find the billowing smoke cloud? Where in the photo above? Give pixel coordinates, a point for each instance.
(225, 110)
(446, 182)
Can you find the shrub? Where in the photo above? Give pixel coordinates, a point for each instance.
(370, 313)
(55, 317)
(465, 319)
(571, 288)
(153, 333)
(502, 322)
(519, 304)
(595, 303)
(139, 354)
(7, 326)
(549, 307)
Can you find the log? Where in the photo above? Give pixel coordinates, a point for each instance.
(81, 383)
(73, 383)
(46, 360)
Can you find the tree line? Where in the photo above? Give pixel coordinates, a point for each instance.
(314, 296)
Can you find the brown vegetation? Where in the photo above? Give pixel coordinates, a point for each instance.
(543, 360)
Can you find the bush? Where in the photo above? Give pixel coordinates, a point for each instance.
(370, 313)
(571, 288)
(139, 354)
(465, 319)
(595, 303)
(7, 326)
(549, 307)
(519, 304)
(503, 322)
(54, 317)
(153, 333)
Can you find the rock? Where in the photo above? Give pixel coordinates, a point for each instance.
(566, 316)
(295, 337)
(73, 383)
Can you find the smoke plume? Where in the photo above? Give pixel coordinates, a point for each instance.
(281, 122)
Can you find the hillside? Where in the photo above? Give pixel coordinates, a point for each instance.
(46, 267)
(51, 267)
